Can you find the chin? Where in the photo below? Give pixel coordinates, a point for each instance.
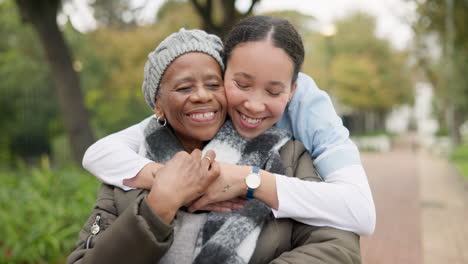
(250, 134)
(207, 135)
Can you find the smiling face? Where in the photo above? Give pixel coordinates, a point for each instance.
(258, 86)
(192, 98)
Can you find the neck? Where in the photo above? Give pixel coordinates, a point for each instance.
(190, 144)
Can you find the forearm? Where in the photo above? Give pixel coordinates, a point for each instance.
(266, 192)
(344, 201)
(111, 165)
(144, 178)
(162, 206)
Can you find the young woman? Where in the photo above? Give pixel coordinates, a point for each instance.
(138, 226)
(343, 201)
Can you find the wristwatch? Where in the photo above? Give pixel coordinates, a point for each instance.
(253, 181)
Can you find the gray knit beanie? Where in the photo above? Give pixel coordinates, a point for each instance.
(169, 49)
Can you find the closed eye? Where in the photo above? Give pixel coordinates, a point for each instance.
(184, 89)
(274, 94)
(242, 86)
(213, 86)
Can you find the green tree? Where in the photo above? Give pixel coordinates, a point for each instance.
(447, 20)
(360, 70)
(219, 16)
(43, 17)
(302, 22)
(115, 13)
(26, 91)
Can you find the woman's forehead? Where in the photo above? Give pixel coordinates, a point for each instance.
(260, 60)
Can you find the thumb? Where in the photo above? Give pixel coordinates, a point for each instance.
(130, 183)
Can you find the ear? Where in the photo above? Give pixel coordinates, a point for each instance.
(293, 89)
(158, 110)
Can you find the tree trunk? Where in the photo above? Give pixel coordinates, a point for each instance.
(453, 124)
(455, 133)
(381, 121)
(42, 15)
(230, 15)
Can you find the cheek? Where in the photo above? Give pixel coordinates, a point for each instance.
(172, 106)
(220, 97)
(234, 95)
(278, 105)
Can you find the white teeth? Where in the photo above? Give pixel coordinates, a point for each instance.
(251, 120)
(203, 115)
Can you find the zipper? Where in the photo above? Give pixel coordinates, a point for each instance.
(95, 228)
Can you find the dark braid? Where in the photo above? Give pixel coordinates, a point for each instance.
(258, 28)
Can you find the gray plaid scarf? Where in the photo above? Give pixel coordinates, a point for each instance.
(226, 237)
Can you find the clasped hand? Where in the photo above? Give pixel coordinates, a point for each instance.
(189, 179)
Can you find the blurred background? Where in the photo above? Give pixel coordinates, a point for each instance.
(71, 72)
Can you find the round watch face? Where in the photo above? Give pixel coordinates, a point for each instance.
(252, 180)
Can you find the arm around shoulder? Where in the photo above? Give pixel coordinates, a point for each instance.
(342, 201)
(115, 157)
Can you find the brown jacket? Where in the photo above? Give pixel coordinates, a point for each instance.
(131, 233)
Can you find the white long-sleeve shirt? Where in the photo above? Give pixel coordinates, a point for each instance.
(343, 200)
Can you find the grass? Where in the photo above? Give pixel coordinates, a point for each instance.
(460, 157)
(42, 211)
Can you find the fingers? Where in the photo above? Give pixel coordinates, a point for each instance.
(130, 183)
(196, 154)
(208, 159)
(239, 201)
(216, 208)
(219, 207)
(214, 172)
(198, 204)
(231, 205)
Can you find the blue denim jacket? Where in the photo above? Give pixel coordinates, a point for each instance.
(311, 118)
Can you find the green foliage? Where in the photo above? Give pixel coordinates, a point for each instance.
(299, 20)
(42, 212)
(175, 14)
(460, 157)
(27, 100)
(110, 62)
(447, 73)
(114, 13)
(360, 69)
(117, 102)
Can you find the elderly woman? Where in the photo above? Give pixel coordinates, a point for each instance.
(141, 226)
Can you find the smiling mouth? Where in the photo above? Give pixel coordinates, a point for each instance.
(250, 122)
(202, 117)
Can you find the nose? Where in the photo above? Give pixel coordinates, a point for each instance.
(254, 105)
(201, 95)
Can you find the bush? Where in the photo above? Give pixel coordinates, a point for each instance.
(42, 212)
(460, 157)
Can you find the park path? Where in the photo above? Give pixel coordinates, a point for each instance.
(422, 208)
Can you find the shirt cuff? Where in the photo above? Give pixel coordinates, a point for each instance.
(118, 181)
